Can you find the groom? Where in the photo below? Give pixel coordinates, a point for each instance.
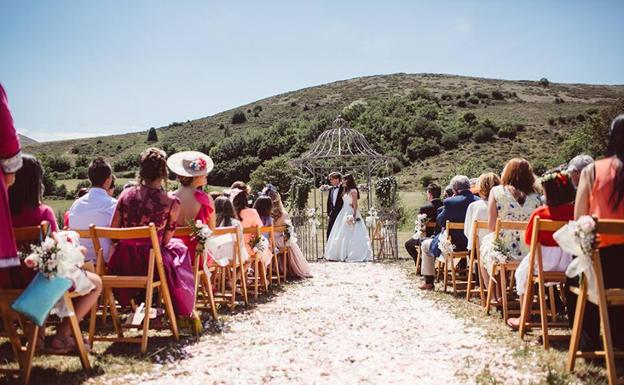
(334, 200)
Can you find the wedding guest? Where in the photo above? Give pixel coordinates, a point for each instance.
(478, 210)
(79, 194)
(514, 200)
(96, 207)
(454, 210)
(149, 203)
(560, 193)
(430, 209)
(215, 194)
(111, 188)
(448, 192)
(25, 197)
(248, 217)
(10, 162)
(192, 168)
(576, 165)
(226, 216)
(298, 266)
(601, 194)
(474, 186)
(264, 207)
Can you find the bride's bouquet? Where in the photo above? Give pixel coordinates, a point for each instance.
(420, 230)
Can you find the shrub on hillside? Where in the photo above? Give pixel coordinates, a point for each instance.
(470, 118)
(82, 161)
(80, 173)
(490, 124)
(82, 148)
(447, 97)
(497, 95)
(426, 180)
(466, 94)
(520, 127)
(449, 141)
(462, 104)
(277, 172)
(127, 163)
(257, 109)
(544, 82)
(152, 136)
(421, 93)
(126, 174)
(507, 131)
(464, 133)
(49, 184)
(473, 100)
(552, 122)
(483, 134)
(481, 95)
(354, 110)
(56, 163)
(420, 148)
(239, 117)
(580, 118)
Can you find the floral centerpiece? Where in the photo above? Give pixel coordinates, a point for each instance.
(420, 228)
(313, 220)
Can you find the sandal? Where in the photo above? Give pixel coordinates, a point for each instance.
(513, 323)
(64, 345)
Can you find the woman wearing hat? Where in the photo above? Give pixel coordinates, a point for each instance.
(192, 168)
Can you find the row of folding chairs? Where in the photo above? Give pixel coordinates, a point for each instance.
(540, 294)
(230, 282)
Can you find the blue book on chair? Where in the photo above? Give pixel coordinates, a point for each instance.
(40, 296)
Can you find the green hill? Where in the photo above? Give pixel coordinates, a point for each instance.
(469, 122)
(26, 141)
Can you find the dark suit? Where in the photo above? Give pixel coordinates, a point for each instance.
(431, 210)
(454, 210)
(333, 209)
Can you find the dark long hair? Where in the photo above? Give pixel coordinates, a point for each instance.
(240, 202)
(264, 206)
(27, 191)
(225, 211)
(351, 184)
(616, 148)
(558, 188)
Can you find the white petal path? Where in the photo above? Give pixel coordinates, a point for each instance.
(350, 324)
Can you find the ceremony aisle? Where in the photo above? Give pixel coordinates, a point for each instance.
(350, 324)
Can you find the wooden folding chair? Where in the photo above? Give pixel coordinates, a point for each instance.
(24, 354)
(475, 261)
(234, 272)
(146, 282)
(454, 273)
(203, 286)
(283, 251)
(259, 279)
(503, 271)
(428, 225)
(537, 276)
(274, 266)
(606, 298)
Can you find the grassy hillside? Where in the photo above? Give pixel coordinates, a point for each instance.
(26, 141)
(542, 116)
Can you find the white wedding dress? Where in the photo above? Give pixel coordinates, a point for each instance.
(348, 242)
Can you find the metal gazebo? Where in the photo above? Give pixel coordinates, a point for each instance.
(344, 149)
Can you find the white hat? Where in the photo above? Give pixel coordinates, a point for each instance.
(190, 163)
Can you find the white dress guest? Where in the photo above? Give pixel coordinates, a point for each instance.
(94, 208)
(477, 211)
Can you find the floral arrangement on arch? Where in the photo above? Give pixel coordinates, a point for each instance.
(372, 218)
(290, 237)
(299, 191)
(386, 191)
(324, 187)
(420, 228)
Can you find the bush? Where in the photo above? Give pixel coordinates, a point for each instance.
(473, 100)
(80, 173)
(277, 172)
(49, 184)
(449, 141)
(354, 110)
(421, 93)
(127, 163)
(463, 133)
(520, 127)
(544, 82)
(497, 95)
(489, 124)
(483, 134)
(461, 103)
(83, 148)
(152, 136)
(298, 192)
(420, 149)
(126, 174)
(552, 122)
(239, 117)
(481, 95)
(257, 109)
(466, 94)
(580, 118)
(559, 101)
(507, 131)
(82, 184)
(386, 191)
(470, 118)
(426, 180)
(447, 97)
(57, 163)
(82, 161)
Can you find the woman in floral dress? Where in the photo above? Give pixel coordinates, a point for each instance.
(141, 205)
(514, 200)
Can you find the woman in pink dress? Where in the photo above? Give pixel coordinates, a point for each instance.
(298, 266)
(192, 168)
(10, 162)
(248, 217)
(141, 205)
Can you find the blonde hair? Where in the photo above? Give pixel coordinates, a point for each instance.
(278, 207)
(485, 184)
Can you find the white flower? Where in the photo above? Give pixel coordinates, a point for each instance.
(205, 231)
(586, 223)
(199, 223)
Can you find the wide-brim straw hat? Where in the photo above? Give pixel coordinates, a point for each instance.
(190, 163)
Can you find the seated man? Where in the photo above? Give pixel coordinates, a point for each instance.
(95, 207)
(431, 209)
(454, 210)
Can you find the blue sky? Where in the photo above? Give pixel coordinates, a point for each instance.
(86, 68)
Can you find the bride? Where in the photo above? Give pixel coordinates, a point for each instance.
(348, 240)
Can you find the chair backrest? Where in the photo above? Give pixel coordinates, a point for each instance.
(182, 231)
(31, 234)
(610, 227)
(476, 226)
(279, 229)
(250, 230)
(232, 231)
(535, 255)
(452, 226)
(126, 233)
(509, 225)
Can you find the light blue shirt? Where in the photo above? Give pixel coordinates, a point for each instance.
(94, 208)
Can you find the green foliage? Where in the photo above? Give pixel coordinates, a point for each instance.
(257, 109)
(481, 95)
(420, 149)
(80, 173)
(489, 124)
(82, 148)
(56, 163)
(462, 104)
(421, 93)
(470, 118)
(277, 172)
(463, 133)
(544, 82)
(483, 134)
(507, 131)
(299, 191)
(472, 168)
(82, 184)
(126, 174)
(386, 191)
(239, 117)
(354, 110)
(449, 141)
(426, 180)
(152, 136)
(49, 184)
(127, 163)
(61, 191)
(497, 95)
(590, 138)
(82, 161)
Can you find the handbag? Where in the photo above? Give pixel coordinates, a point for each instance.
(38, 299)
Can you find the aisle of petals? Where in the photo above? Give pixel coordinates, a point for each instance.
(350, 324)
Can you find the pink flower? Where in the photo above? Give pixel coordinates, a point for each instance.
(30, 262)
(586, 223)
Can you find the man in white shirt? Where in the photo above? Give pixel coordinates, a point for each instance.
(96, 207)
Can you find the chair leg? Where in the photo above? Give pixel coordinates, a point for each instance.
(113, 312)
(488, 300)
(469, 284)
(607, 341)
(453, 276)
(543, 314)
(418, 260)
(525, 310)
(75, 328)
(553, 304)
(445, 272)
(211, 300)
(29, 355)
(233, 285)
(92, 321)
(503, 287)
(577, 326)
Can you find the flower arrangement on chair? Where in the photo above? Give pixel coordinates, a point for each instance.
(420, 228)
(58, 255)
